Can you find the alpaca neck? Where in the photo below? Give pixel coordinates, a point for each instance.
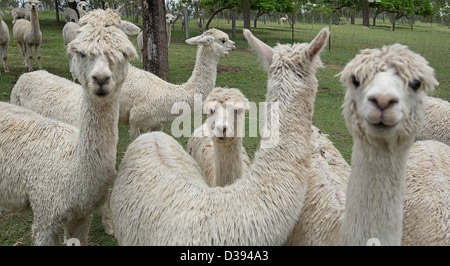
(203, 78)
(98, 136)
(228, 162)
(374, 204)
(34, 21)
(285, 162)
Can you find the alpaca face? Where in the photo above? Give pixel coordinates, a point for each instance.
(226, 114)
(225, 122)
(386, 92)
(214, 38)
(34, 5)
(100, 58)
(82, 5)
(386, 106)
(169, 19)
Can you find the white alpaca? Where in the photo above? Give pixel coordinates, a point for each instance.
(59, 98)
(4, 42)
(320, 220)
(161, 198)
(283, 20)
(20, 13)
(436, 125)
(56, 171)
(219, 152)
(82, 8)
(70, 15)
(28, 34)
(170, 19)
(147, 109)
(97, 17)
(383, 116)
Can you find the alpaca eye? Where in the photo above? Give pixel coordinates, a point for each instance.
(223, 41)
(82, 55)
(355, 81)
(415, 84)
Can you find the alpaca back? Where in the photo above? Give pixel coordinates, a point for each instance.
(4, 32)
(427, 197)
(436, 124)
(23, 137)
(20, 28)
(48, 95)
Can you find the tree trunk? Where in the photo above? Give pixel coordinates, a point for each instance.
(292, 27)
(233, 23)
(136, 14)
(155, 57)
(365, 13)
(393, 25)
(186, 21)
(57, 10)
(247, 20)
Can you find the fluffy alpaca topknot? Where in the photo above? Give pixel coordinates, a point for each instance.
(407, 64)
(100, 17)
(224, 95)
(91, 40)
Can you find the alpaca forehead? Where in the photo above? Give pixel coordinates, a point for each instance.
(289, 52)
(217, 34)
(109, 41)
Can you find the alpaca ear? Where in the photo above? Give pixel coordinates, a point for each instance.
(316, 45)
(119, 10)
(264, 52)
(200, 40)
(129, 28)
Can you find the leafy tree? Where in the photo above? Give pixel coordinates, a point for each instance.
(407, 8)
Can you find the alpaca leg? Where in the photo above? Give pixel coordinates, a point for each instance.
(44, 233)
(106, 217)
(30, 57)
(5, 57)
(23, 48)
(78, 229)
(38, 55)
(134, 132)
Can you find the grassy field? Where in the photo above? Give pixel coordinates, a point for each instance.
(242, 70)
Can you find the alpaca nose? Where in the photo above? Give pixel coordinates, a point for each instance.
(101, 80)
(223, 129)
(383, 102)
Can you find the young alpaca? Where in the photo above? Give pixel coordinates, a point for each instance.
(28, 34)
(56, 171)
(220, 154)
(161, 198)
(4, 42)
(147, 109)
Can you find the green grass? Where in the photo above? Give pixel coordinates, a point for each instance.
(242, 70)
